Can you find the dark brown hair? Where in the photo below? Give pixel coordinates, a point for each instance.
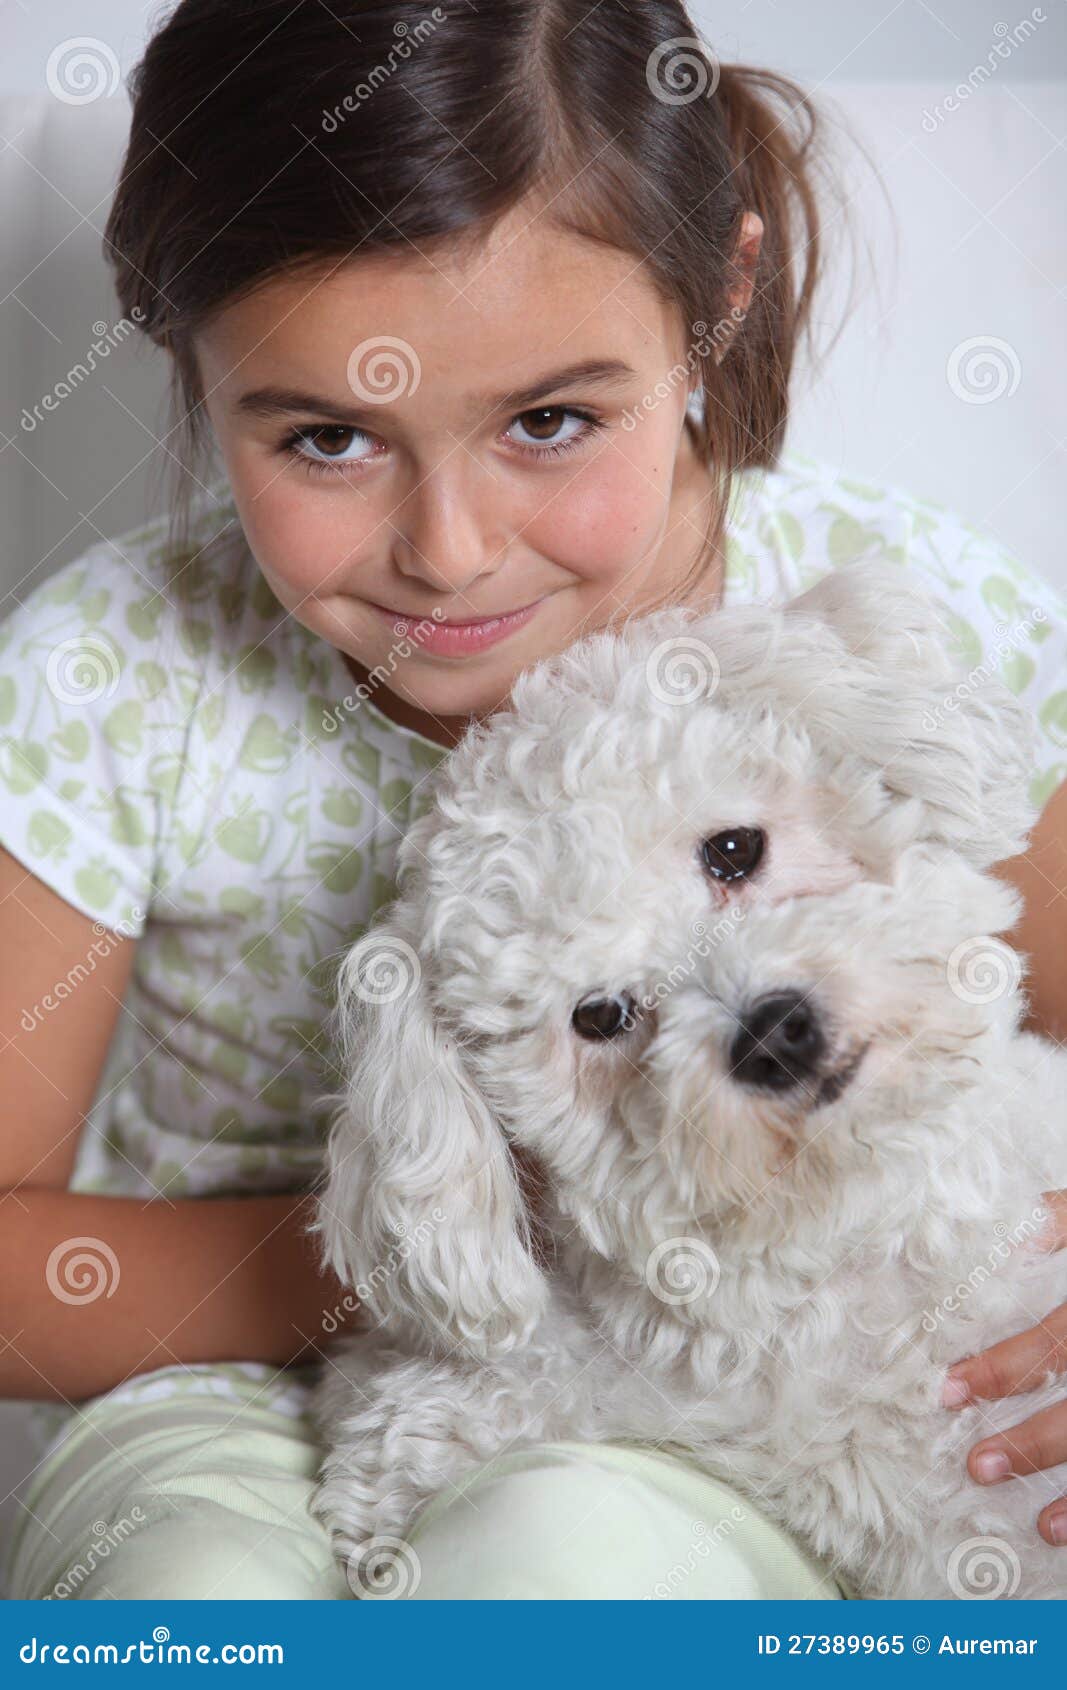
(268, 136)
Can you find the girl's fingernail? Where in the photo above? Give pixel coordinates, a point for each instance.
(992, 1464)
(1057, 1524)
(954, 1391)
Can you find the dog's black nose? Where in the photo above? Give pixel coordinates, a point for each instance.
(779, 1042)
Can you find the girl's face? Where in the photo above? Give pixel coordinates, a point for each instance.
(410, 439)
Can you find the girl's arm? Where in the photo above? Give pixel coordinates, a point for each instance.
(96, 1288)
(1041, 876)
(1017, 1364)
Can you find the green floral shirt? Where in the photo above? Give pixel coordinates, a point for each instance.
(178, 762)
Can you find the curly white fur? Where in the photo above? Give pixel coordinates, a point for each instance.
(770, 1282)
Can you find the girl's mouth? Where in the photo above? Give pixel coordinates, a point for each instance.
(456, 639)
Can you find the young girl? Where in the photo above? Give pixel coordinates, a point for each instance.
(490, 310)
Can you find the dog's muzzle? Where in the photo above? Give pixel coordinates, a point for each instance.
(780, 1043)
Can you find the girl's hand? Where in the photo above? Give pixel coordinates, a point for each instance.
(1017, 1365)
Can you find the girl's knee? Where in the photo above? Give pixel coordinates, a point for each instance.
(548, 1524)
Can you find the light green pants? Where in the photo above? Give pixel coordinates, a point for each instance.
(199, 1497)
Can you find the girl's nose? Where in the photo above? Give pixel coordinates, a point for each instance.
(445, 534)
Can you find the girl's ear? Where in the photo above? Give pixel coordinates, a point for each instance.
(958, 742)
(421, 1211)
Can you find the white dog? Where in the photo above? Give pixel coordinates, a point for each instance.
(703, 926)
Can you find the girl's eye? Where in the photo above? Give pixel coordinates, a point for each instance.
(542, 429)
(322, 446)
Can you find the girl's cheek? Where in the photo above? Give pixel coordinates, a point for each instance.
(304, 541)
(604, 520)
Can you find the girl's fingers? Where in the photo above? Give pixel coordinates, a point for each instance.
(1052, 1521)
(1030, 1447)
(1014, 1365)
(1055, 1235)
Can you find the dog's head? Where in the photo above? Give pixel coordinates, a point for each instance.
(680, 911)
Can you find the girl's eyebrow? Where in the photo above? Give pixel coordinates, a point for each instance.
(283, 401)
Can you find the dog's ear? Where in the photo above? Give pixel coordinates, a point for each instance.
(953, 739)
(421, 1211)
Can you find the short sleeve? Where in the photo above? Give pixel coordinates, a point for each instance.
(87, 723)
(1006, 616)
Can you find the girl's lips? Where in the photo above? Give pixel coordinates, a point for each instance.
(456, 639)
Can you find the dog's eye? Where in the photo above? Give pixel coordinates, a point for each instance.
(604, 1018)
(734, 853)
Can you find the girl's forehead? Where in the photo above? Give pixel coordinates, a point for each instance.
(528, 295)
